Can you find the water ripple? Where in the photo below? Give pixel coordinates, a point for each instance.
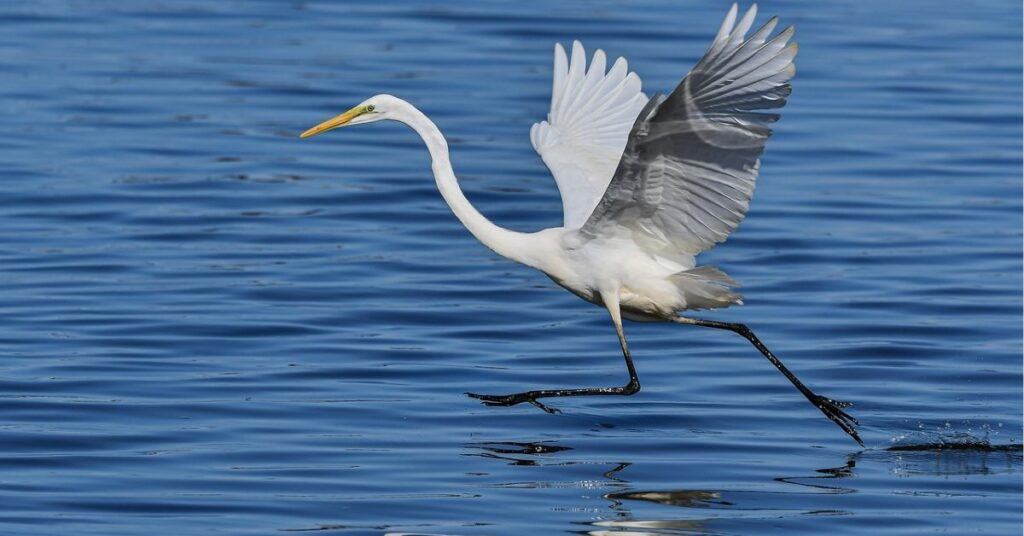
(209, 326)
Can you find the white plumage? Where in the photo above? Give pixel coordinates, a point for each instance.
(646, 184)
(583, 138)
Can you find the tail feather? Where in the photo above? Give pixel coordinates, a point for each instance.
(707, 287)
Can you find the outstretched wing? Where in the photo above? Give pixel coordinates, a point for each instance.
(582, 140)
(687, 173)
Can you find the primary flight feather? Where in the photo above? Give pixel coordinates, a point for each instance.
(646, 184)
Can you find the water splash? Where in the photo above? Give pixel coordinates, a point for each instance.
(982, 438)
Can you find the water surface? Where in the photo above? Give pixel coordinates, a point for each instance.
(208, 326)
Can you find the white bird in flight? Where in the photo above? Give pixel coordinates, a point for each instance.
(646, 184)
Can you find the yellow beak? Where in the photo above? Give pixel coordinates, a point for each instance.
(335, 122)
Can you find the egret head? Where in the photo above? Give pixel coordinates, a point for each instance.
(372, 109)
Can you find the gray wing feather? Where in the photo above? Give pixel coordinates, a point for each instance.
(687, 174)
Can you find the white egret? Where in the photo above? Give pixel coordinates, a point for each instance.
(646, 185)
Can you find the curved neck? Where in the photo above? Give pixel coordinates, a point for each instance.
(504, 242)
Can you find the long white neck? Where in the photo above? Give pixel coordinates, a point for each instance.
(504, 242)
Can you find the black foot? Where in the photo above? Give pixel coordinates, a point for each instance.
(511, 400)
(833, 409)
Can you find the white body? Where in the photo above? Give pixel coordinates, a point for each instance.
(646, 183)
(647, 287)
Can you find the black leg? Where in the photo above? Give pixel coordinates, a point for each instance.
(630, 388)
(832, 409)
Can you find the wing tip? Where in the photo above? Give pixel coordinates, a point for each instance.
(725, 30)
(598, 61)
(751, 11)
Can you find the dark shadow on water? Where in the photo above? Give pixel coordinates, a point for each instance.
(516, 453)
(824, 477)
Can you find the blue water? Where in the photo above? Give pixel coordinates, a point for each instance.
(208, 326)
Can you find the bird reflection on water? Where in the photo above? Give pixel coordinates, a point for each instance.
(672, 510)
(511, 450)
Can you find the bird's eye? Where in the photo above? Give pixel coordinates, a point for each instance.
(369, 108)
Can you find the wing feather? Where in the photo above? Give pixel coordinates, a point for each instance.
(591, 114)
(688, 170)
